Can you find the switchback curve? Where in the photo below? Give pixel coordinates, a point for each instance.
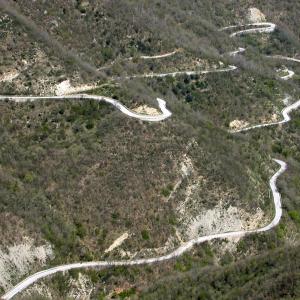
(149, 118)
(266, 27)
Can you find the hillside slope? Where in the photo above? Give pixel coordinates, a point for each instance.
(81, 181)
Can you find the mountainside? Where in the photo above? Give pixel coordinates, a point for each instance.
(95, 166)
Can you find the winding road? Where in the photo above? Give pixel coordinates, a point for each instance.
(189, 73)
(290, 74)
(145, 57)
(236, 52)
(284, 58)
(179, 251)
(286, 118)
(160, 55)
(261, 28)
(149, 118)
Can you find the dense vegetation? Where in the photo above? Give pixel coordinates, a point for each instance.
(274, 274)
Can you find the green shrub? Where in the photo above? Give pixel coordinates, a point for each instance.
(182, 266)
(89, 125)
(127, 293)
(277, 148)
(80, 230)
(145, 234)
(295, 216)
(166, 191)
(280, 231)
(29, 177)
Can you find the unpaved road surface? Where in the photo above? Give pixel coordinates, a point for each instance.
(286, 118)
(173, 74)
(149, 118)
(179, 251)
(260, 28)
(263, 27)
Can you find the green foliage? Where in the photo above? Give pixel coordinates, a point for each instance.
(296, 121)
(107, 53)
(281, 231)
(227, 258)
(167, 190)
(63, 141)
(101, 295)
(115, 215)
(29, 177)
(74, 273)
(60, 282)
(127, 293)
(295, 216)
(173, 220)
(268, 275)
(145, 234)
(182, 266)
(61, 235)
(241, 247)
(13, 186)
(89, 125)
(276, 147)
(80, 230)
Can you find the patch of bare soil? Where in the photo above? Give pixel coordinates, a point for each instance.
(238, 124)
(65, 88)
(146, 110)
(118, 242)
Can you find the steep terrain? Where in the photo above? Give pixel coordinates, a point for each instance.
(81, 181)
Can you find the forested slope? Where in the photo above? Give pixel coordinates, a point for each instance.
(77, 175)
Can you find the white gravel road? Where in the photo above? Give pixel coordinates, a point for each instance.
(259, 28)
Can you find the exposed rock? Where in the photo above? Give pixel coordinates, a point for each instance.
(222, 219)
(238, 124)
(9, 76)
(81, 288)
(16, 261)
(254, 15)
(145, 109)
(65, 88)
